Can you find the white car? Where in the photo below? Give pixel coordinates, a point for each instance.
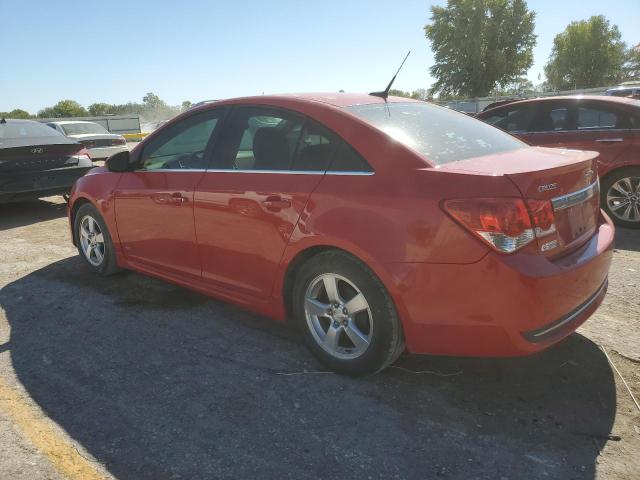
(100, 143)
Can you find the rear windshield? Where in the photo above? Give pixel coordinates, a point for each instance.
(440, 134)
(83, 128)
(25, 130)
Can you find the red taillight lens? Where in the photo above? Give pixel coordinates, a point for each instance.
(542, 216)
(506, 224)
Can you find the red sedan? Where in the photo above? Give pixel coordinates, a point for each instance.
(371, 224)
(609, 125)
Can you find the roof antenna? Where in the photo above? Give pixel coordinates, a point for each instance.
(385, 93)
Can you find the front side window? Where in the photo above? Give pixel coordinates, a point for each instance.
(512, 119)
(550, 117)
(182, 145)
(440, 134)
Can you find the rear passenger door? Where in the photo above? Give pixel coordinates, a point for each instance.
(248, 203)
(602, 128)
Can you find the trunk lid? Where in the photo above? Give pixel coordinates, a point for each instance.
(566, 178)
(34, 153)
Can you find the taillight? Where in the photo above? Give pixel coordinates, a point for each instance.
(506, 224)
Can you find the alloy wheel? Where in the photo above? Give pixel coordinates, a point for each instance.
(623, 199)
(92, 241)
(338, 316)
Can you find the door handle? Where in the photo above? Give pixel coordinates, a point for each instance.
(276, 203)
(178, 199)
(169, 199)
(610, 140)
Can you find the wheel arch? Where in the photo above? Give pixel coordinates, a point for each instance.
(73, 211)
(301, 256)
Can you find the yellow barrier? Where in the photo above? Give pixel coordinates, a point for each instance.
(135, 137)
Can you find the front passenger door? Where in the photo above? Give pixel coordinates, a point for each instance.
(154, 203)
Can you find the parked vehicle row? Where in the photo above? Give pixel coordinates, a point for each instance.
(98, 141)
(608, 125)
(37, 161)
(362, 220)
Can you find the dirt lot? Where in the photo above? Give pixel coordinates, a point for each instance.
(135, 378)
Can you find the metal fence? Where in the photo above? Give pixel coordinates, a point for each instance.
(478, 104)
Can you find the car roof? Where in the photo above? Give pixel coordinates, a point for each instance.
(331, 98)
(596, 98)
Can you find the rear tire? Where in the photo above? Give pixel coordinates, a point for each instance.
(94, 241)
(620, 197)
(346, 315)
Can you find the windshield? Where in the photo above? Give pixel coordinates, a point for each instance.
(440, 134)
(83, 128)
(11, 130)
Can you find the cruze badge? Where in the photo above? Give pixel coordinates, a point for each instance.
(547, 187)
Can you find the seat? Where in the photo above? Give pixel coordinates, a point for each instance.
(271, 150)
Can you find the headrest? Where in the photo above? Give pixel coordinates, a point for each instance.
(271, 149)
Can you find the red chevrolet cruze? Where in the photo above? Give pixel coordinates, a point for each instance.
(371, 224)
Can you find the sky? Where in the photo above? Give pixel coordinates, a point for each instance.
(116, 51)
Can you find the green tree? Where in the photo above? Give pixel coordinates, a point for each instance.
(16, 113)
(394, 92)
(631, 66)
(479, 44)
(99, 109)
(589, 53)
(153, 101)
(186, 105)
(64, 108)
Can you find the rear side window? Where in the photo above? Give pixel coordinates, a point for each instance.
(83, 128)
(440, 134)
(26, 129)
(263, 138)
(597, 118)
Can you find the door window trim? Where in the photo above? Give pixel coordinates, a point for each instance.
(208, 151)
(305, 119)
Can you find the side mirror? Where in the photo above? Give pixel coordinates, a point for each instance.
(119, 162)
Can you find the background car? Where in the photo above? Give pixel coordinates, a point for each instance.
(608, 125)
(100, 143)
(36, 161)
(624, 90)
(362, 220)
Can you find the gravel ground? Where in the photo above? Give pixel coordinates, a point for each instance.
(152, 381)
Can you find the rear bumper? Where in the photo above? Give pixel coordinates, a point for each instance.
(503, 305)
(21, 186)
(102, 153)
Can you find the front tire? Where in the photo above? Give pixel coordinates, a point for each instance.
(621, 197)
(94, 241)
(346, 315)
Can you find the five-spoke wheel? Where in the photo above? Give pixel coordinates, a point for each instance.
(346, 315)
